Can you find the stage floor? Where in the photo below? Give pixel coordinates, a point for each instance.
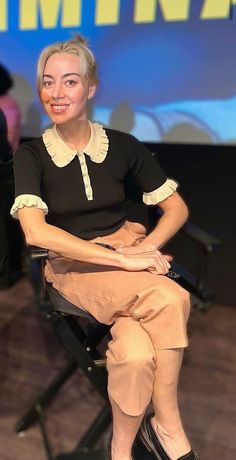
(31, 355)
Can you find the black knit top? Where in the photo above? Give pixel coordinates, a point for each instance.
(63, 189)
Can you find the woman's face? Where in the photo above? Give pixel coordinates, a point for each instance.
(64, 93)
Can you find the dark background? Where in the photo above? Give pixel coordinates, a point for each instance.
(206, 176)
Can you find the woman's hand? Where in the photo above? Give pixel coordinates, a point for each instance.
(138, 258)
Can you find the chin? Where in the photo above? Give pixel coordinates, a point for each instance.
(58, 119)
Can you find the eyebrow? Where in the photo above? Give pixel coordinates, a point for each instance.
(63, 76)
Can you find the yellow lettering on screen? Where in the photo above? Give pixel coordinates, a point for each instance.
(71, 13)
(172, 10)
(49, 12)
(107, 12)
(28, 14)
(213, 9)
(3, 15)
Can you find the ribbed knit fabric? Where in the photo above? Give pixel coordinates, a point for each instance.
(63, 189)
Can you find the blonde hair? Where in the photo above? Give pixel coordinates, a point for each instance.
(77, 46)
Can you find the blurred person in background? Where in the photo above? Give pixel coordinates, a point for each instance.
(11, 241)
(10, 107)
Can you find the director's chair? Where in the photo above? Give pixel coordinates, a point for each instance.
(81, 335)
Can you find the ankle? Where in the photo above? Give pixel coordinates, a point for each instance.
(118, 452)
(172, 439)
(162, 430)
(118, 456)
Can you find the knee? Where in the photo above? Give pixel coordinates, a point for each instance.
(138, 360)
(132, 355)
(184, 303)
(178, 299)
(130, 375)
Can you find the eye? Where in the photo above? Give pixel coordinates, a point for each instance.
(70, 83)
(47, 83)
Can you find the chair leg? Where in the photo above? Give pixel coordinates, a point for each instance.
(31, 415)
(95, 430)
(46, 442)
(85, 448)
(81, 353)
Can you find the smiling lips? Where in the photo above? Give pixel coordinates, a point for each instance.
(58, 108)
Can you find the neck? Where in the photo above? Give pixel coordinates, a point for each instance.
(76, 134)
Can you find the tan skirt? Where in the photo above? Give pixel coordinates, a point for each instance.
(147, 312)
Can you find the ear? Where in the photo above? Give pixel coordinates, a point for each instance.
(92, 91)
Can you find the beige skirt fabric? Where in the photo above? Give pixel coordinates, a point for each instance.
(147, 312)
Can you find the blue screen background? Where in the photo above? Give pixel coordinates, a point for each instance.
(161, 81)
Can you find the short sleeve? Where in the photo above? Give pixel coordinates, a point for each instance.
(149, 175)
(28, 178)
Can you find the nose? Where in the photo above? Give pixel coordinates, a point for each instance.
(58, 91)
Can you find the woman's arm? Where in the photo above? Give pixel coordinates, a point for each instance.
(175, 214)
(39, 233)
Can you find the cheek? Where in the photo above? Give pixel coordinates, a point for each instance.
(80, 95)
(44, 96)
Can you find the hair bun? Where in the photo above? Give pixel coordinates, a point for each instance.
(80, 39)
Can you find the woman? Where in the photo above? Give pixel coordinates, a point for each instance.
(75, 174)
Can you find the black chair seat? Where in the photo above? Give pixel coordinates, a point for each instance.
(63, 305)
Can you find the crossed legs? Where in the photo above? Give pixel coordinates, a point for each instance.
(149, 315)
(138, 373)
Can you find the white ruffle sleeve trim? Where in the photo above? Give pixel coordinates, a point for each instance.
(29, 201)
(161, 193)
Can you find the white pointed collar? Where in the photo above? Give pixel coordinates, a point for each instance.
(62, 155)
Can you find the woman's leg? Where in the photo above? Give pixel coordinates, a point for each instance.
(167, 422)
(131, 365)
(125, 428)
(135, 376)
(169, 345)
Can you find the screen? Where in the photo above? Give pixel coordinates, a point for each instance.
(166, 68)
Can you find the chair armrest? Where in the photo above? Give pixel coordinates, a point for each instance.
(206, 244)
(37, 257)
(37, 253)
(209, 242)
(202, 298)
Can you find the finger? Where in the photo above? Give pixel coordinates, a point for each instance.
(167, 264)
(162, 263)
(156, 271)
(168, 257)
